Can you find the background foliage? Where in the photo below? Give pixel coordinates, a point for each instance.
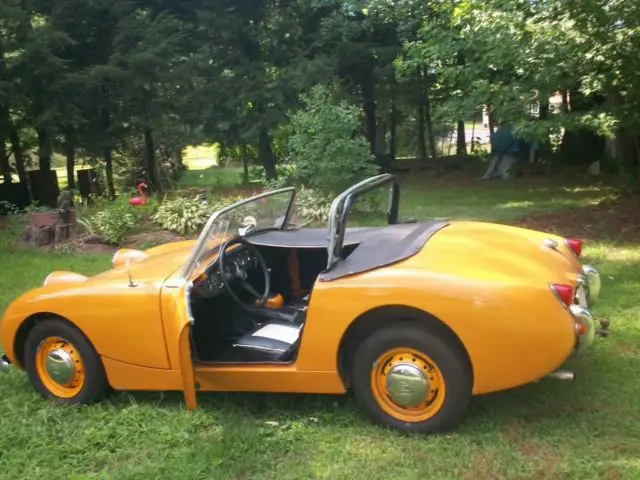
(127, 85)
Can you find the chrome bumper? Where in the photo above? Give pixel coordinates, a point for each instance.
(4, 364)
(587, 293)
(591, 283)
(585, 326)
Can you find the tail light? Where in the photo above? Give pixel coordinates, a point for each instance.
(564, 293)
(575, 245)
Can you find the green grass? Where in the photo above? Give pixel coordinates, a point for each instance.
(502, 201)
(211, 178)
(588, 429)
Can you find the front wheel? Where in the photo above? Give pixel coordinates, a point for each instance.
(412, 379)
(63, 365)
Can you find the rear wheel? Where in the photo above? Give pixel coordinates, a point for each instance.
(412, 379)
(62, 364)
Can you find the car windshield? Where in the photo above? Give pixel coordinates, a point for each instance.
(261, 212)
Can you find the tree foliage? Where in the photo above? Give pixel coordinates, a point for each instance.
(324, 144)
(129, 84)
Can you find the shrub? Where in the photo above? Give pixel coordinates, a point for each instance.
(112, 220)
(182, 215)
(284, 172)
(326, 149)
(8, 208)
(312, 206)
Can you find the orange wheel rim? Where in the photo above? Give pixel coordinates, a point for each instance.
(60, 367)
(408, 385)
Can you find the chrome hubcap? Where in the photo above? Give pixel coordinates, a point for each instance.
(60, 367)
(407, 385)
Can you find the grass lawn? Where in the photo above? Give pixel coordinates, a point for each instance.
(588, 429)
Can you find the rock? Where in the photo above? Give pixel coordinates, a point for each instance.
(95, 240)
(26, 234)
(63, 231)
(41, 236)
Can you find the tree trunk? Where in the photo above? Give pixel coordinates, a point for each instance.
(18, 155)
(429, 125)
(70, 152)
(180, 157)
(565, 101)
(150, 160)
(544, 108)
(492, 127)
(422, 141)
(45, 148)
(245, 163)
(108, 168)
(381, 137)
(5, 167)
(266, 153)
(628, 143)
(581, 146)
(369, 107)
(461, 147)
(222, 154)
(394, 131)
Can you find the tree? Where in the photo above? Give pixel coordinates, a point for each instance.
(325, 148)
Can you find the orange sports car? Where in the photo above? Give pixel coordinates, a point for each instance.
(413, 318)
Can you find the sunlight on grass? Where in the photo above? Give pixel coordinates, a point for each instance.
(211, 178)
(523, 204)
(199, 157)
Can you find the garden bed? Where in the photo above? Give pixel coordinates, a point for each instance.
(617, 220)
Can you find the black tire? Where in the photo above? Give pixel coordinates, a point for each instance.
(95, 385)
(445, 353)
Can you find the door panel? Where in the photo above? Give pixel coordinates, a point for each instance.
(177, 325)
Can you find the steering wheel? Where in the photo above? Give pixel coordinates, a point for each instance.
(233, 272)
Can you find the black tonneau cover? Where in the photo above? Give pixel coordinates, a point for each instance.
(310, 237)
(376, 246)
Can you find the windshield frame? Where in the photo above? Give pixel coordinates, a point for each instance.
(189, 265)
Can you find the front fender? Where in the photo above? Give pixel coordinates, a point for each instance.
(122, 322)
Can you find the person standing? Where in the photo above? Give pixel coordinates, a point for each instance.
(505, 148)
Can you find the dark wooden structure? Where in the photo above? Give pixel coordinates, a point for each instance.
(44, 187)
(89, 183)
(16, 194)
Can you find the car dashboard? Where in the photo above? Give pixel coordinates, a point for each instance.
(211, 282)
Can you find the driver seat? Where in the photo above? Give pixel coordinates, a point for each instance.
(275, 341)
(293, 313)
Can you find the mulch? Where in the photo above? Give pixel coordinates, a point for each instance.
(609, 220)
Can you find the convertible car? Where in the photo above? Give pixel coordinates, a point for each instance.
(413, 318)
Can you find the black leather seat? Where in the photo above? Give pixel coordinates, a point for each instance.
(294, 313)
(272, 342)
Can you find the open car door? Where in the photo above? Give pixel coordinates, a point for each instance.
(342, 204)
(268, 210)
(177, 319)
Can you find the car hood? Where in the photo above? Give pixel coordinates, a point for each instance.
(153, 265)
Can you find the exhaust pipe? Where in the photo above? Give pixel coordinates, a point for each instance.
(562, 375)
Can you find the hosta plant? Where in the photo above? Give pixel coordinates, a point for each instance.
(182, 215)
